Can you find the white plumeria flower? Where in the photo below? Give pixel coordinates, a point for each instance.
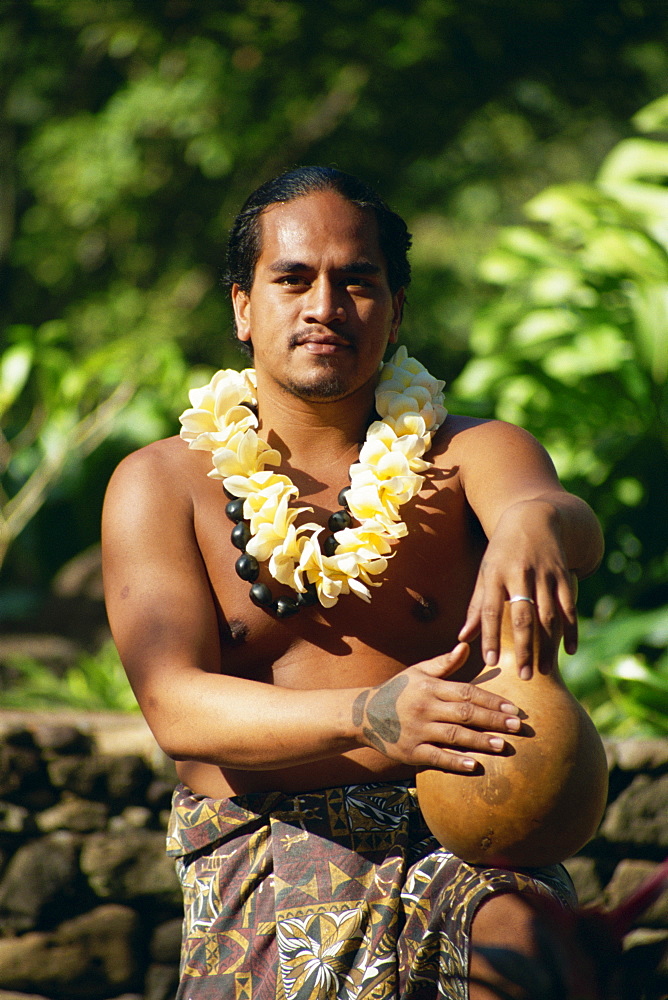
(245, 452)
(257, 482)
(410, 403)
(217, 407)
(273, 533)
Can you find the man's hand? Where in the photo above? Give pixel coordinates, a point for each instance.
(525, 558)
(420, 718)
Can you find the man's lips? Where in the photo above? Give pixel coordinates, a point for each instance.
(321, 343)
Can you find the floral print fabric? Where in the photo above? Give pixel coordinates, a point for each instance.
(337, 894)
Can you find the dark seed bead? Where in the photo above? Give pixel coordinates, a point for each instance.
(247, 567)
(241, 534)
(235, 509)
(342, 497)
(309, 597)
(330, 545)
(339, 519)
(230, 496)
(261, 595)
(286, 606)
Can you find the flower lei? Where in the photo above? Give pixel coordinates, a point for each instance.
(222, 419)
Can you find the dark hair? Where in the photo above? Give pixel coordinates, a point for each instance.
(244, 246)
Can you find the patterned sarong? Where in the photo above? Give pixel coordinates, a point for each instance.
(337, 894)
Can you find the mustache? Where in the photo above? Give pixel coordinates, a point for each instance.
(323, 336)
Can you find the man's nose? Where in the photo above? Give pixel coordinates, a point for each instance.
(325, 303)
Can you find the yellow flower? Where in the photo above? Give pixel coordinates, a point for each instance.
(272, 533)
(245, 453)
(410, 403)
(259, 482)
(217, 411)
(320, 571)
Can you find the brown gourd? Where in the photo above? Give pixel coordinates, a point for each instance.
(541, 800)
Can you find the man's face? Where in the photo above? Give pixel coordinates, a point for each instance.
(320, 312)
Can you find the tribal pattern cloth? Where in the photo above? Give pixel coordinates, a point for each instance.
(336, 894)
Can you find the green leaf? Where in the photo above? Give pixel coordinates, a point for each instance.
(15, 365)
(653, 117)
(634, 160)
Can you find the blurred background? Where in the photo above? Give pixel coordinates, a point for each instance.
(526, 144)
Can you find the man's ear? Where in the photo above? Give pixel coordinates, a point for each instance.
(398, 301)
(242, 312)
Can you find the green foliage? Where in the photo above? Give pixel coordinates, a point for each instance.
(574, 346)
(94, 683)
(610, 673)
(56, 408)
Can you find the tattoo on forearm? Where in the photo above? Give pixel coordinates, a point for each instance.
(358, 707)
(382, 709)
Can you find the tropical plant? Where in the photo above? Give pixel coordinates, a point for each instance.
(56, 408)
(93, 683)
(574, 346)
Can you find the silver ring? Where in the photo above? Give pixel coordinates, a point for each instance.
(521, 597)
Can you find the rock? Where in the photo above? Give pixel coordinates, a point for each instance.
(627, 877)
(78, 815)
(81, 775)
(62, 739)
(103, 777)
(159, 794)
(638, 814)
(610, 748)
(129, 865)
(161, 982)
(42, 873)
(17, 735)
(166, 942)
(641, 755)
(128, 778)
(92, 956)
(22, 770)
(135, 817)
(15, 819)
(586, 880)
(12, 995)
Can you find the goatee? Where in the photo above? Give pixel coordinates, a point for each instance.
(326, 385)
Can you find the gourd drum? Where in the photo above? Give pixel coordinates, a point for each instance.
(538, 802)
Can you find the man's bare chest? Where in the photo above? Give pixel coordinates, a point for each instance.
(414, 613)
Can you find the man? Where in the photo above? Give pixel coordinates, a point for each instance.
(298, 717)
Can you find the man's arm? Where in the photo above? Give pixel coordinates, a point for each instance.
(165, 626)
(541, 540)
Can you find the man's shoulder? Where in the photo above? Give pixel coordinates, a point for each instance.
(167, 453)
(167, 466)
(471, 432)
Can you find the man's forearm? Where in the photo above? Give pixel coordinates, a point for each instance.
(237, 723)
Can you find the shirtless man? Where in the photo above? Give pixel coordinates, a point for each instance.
(262, 713)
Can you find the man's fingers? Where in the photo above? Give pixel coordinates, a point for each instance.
(461, 738)
(471, 627)
(523, 618)
(470, 705)
(567, 593)
(445, 760)
(448, 663)
(490, 618)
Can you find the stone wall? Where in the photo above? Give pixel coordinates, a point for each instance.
(90, 905)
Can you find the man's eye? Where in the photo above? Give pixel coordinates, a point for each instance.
(292, 279)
